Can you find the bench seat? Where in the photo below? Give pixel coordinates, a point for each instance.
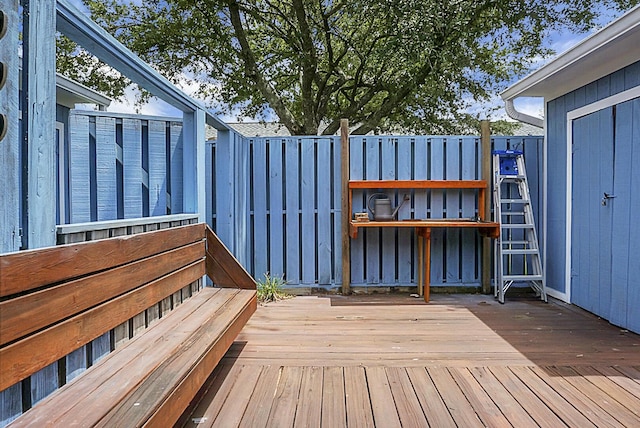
(154, 372)
(150, 379)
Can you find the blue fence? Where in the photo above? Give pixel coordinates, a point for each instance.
(117, 166)
(276, 202)
(290, 188)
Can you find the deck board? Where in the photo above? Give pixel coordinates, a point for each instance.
(309, 409)
(393, 361)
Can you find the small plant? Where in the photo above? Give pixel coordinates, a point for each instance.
(270, 289)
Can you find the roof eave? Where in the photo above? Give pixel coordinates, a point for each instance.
(79, 28)
(582, 63)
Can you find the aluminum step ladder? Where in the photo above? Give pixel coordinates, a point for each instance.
(517, 254)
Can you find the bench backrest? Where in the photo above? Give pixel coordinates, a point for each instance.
(55, 300)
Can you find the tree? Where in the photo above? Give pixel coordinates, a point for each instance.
(409, 65)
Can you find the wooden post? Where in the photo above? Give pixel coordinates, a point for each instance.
(486, 175)
(39, 117)
(193, 146)
(10, 196)
(346, 215)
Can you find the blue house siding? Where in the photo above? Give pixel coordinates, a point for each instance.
(556, 112)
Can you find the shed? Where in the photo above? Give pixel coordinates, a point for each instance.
(591, 235)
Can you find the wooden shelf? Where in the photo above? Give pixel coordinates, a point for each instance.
(485, 228)
(417, 184)
(423, 227)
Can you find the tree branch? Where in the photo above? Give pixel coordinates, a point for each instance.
(253, 73)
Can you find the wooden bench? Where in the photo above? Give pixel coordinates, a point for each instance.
(57, 299)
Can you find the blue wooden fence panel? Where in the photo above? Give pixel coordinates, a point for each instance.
(132, 164)
(123, 166)
(276, 208)
(323, 210)
(295, 207)
(259, 190)
(293, 265)
(175, 162)
(157, 168)
(308, 223)
(79, 175)
(405, 246)
(356, 171)
(107, 192)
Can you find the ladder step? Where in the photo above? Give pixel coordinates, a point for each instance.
(516, 243)
(514, 201)
(512, 177)
(513, 213)
(521, 251)
(517, 226)
(522, 277)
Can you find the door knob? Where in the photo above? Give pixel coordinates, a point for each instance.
(606, 197)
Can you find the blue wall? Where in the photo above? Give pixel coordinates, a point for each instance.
(556, 113)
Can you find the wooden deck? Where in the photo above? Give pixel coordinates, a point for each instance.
(391, 361)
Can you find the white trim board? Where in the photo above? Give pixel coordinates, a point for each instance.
(571, 116)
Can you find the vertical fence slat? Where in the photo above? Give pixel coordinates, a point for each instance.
(132, 165)
(276, 232)
(337, 211)
(405, 244)
(437, 211)
(176, 146)
(260, 186)
(389, 244)
(292, 200)
(76, 363)
(323, 187)
(470, 253)
(157, 168)
(308, 215)
(107, 196)
(357, 245)
(79, 165)
(452, 236)
(373, 249)
(420, 172)
(44, 382)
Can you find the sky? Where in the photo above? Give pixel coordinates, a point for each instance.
(557, 41)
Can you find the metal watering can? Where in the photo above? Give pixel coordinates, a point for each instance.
(381, 209)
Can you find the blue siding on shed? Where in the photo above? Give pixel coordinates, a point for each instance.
(624, 232)
(556, 113)
(625, 295)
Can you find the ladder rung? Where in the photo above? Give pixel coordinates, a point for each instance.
(514, 201)
(522, 277)
(516, 226)
(516, 243)
(513, 213)
(520, 251)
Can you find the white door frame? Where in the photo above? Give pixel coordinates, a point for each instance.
(571, 116)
